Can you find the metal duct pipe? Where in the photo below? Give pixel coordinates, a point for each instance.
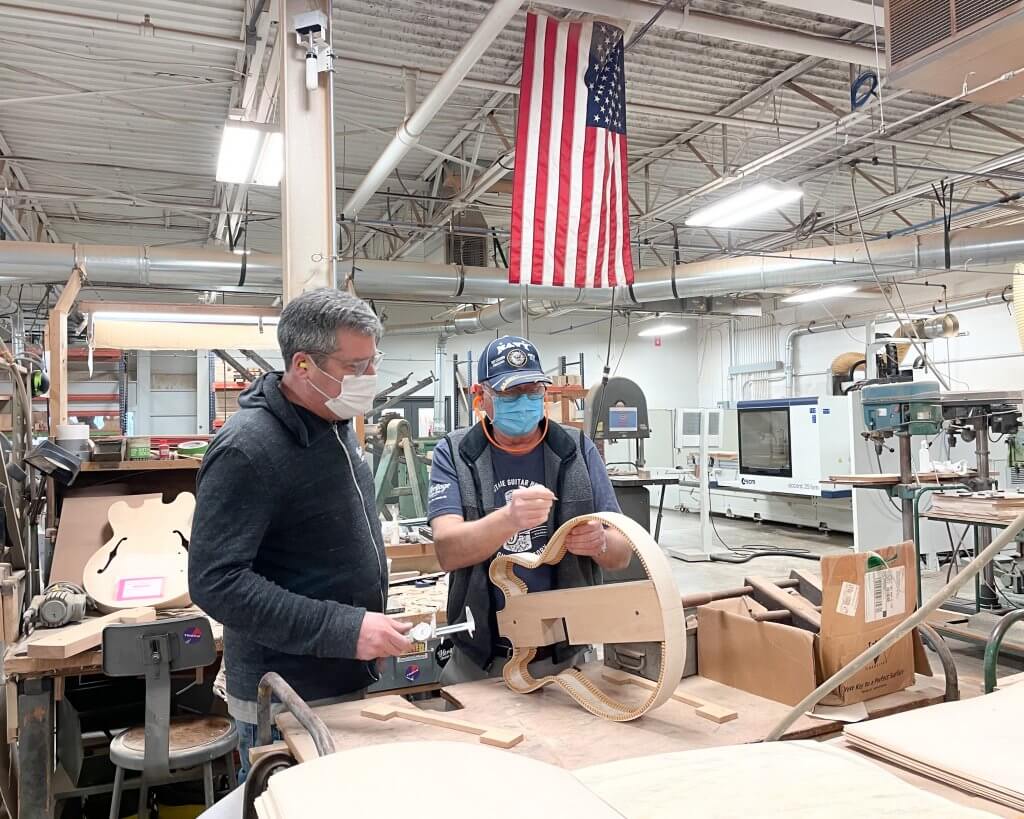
(750, 274)
(205, 267)
(939, 308)
(36, 261)
(409, 132)
(488, 319)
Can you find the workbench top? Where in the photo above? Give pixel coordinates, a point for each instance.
(18, 664)
(141, 466)
(636, 480)
(558, 731)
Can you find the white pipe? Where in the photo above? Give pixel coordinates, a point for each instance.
(967, 303)
(142, 28)
(726, 28)
(409, 132)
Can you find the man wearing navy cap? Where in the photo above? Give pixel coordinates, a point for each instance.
(504, 486)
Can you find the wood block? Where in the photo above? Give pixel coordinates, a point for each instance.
(260, 751)
(498, 737)
(66, 642)
(586, 615)
(12, 590)
(704, 709)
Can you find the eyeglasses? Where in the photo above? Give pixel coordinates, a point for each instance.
(357, 366)
(532, 390)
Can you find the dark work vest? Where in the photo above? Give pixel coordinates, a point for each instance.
(565, 474)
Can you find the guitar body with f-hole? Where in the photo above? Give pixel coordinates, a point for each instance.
(145, 563)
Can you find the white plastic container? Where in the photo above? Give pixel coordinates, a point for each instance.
(924, 458)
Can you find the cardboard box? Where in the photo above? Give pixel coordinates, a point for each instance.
(785, 663)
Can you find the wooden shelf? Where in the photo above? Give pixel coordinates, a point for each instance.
(140, 466)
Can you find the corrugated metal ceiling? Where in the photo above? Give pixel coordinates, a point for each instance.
(160, 145)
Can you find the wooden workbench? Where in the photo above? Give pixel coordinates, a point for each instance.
(556, 730)
(18, 665)
(32, 689)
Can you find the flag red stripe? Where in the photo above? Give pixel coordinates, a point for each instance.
(589, 143)
(565, 166)
(627, 254)
(611, 278)
(522, 139)
(544, 157)
(601, 262)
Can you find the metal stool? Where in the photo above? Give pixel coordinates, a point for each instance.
(154, 650)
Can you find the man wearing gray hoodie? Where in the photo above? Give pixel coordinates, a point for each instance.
(286, 549)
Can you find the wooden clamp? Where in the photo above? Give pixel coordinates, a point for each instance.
(498, 737)
(705, 709)
(641, 611)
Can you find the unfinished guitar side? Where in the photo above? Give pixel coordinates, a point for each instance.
(640, 611)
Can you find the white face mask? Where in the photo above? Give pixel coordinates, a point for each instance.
(355, 397)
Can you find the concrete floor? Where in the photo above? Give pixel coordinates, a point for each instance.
(682, 530)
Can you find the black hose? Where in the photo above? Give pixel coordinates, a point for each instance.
(766, 553)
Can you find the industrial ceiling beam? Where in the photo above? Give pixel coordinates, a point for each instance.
(842, 9)
(726, 28)
(140, 27)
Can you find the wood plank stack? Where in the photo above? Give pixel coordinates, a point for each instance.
(970, 745)
(997, 507)
(872, 479)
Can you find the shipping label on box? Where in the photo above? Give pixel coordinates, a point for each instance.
(864, 597)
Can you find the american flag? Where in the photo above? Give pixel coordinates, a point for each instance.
(570, 212)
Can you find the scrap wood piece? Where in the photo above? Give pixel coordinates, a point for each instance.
(59, 644)
(498, 737)
(705, 709)
(770, 595)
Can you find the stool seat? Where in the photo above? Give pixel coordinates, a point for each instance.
(193, 741)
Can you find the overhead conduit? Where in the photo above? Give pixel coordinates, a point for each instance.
(897, 258)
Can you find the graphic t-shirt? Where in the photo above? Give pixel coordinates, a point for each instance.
(511, 472)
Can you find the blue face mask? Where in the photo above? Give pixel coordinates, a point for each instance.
(518, 416)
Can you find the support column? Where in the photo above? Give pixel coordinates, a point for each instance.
(308, 236)
(204, 423)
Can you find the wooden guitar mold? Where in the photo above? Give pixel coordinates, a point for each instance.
(632, 612)
(145, 563)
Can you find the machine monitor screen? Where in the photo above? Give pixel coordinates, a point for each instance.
(765, 446)
(623, 419)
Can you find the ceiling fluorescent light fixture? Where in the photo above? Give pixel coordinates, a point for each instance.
(744, 206)
(180, 313)
(250, 154)
(820, 294)
(662, 330)
(181, 318)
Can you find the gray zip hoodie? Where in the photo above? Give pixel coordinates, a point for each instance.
(286, 548)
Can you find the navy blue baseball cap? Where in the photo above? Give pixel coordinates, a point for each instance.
(508, 362)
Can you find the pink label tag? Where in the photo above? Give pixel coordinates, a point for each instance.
(139, 588)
